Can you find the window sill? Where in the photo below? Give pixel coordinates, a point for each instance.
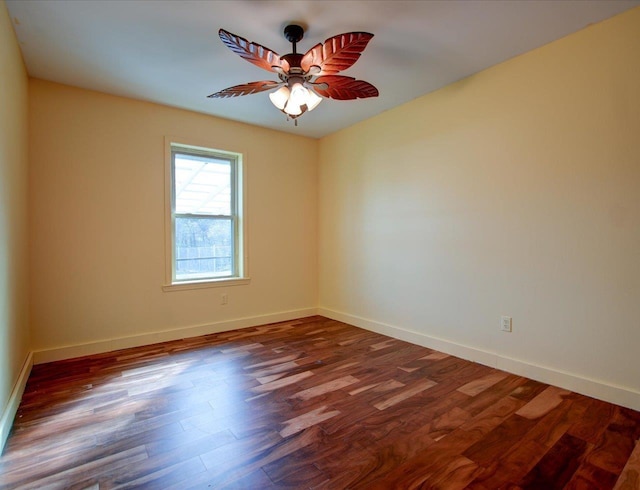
(209, 283)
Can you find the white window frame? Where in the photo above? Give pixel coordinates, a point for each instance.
(240, 276)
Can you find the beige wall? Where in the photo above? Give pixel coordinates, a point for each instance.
(513, 192)
(14, 328)
(97, 219)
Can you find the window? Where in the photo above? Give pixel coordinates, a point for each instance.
(206, 235)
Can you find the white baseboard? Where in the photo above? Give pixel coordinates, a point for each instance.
(101, 346)
(11, 409)
(596, 389)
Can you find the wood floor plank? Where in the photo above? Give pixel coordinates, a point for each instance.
(502, 439)
(308, 403)
(558, 465)
(404, 394)
(281, 382)
(543, 403)
(477, 386)
(589, 476)
(455, 475)
(301, 422)
(613, 451)
(492, 416)
(630, 477)
(511, 467)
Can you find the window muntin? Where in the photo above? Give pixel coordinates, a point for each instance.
(205, 215)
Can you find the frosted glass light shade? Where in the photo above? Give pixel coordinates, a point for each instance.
(280, 97)
(313, 100)
(299, 94)
(293, 109)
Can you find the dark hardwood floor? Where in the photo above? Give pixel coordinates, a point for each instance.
(312, 403)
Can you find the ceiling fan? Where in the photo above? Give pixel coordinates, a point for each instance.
(304, 78)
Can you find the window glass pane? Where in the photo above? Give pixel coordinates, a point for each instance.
(202, 185)
(204, 248)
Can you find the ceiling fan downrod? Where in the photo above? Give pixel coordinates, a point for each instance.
(294, 34)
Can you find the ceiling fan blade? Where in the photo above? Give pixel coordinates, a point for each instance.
(340, 87)
(245, 89)
(252, 52)
(337, 53)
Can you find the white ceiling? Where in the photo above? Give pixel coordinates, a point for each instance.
(168, 51)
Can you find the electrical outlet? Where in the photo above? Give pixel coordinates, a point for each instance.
(224, 299)
(505, 323)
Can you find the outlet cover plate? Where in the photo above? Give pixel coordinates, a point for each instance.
(505, 323)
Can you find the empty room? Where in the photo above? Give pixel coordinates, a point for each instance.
(320, 244)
